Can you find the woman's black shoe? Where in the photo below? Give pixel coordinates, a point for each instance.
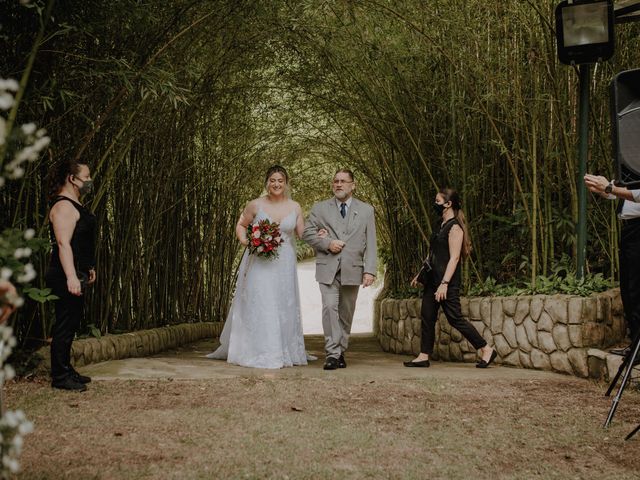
(69, 383)
(423, 364)
(483, 364)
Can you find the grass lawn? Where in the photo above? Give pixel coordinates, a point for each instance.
(326, 427)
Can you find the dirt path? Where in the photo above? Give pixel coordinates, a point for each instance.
(179, 416)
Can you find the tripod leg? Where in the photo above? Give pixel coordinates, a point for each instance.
(625, 379)
(628, 437)
(622, 365)
(613, 383)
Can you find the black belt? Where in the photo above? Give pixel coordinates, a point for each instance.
(630, 221)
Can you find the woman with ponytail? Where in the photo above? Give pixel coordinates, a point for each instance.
(449, 243)
(72, 229)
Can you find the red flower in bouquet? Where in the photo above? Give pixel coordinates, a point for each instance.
(264, 239)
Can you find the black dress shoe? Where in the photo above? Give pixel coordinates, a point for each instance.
(69, 383)
(331, 363)
(422, 364)
(79, 378)
(341, 362)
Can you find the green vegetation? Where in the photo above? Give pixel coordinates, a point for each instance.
(180, 106)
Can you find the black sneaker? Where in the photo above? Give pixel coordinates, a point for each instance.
(341, 362)
(69, 383)
(78, 377)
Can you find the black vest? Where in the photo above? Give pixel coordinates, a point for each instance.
(82, 242)
(440, 255)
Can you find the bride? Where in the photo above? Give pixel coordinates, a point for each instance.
(264, 327)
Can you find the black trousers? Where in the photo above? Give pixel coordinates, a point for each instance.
(630, 274)
(453, 312)
(69, 314)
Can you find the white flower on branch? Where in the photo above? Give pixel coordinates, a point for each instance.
(25, 428)
(29, 272)
(5, 273)
(11, 420)
(41, 143)
(9, 372)
(12, 464)
(29, 233)
(7, 333)
(28, 128)
(16, 173)
(6, 101)
(9, 84)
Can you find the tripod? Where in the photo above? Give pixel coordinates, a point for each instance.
(626, 366)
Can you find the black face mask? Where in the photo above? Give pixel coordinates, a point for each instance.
(87, 186)
(438, 208)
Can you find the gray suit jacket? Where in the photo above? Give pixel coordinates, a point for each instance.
(359, 255)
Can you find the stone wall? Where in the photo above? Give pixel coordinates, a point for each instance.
(136, 344)
(548, 332)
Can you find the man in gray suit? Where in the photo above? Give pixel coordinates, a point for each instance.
(342, 231)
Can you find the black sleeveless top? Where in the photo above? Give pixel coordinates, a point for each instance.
(440, 255)
(82, 242)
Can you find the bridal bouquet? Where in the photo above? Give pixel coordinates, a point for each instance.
(264, 239)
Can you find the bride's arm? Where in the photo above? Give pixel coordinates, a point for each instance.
(246, 217)
(299, 221)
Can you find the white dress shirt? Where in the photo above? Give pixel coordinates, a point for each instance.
(347, 202)
(631, 209)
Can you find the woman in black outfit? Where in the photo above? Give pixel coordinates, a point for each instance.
(442, 287)
(72, 228)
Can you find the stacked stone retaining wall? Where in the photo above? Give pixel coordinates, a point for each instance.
(548, 332)
(137, 344)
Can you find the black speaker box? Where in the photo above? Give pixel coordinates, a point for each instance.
(625, 123)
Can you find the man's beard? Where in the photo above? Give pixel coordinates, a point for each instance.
(341, 195)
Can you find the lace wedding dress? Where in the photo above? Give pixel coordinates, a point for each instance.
(264, 327)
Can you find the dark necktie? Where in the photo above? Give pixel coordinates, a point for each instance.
(343, 209)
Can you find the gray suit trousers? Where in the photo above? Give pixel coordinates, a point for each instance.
(338, 305)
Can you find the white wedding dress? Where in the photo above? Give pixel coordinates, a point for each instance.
(264, 327)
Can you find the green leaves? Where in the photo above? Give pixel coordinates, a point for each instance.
(40, 295)
(94, 331)
(544, 285)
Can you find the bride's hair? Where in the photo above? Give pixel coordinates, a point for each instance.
(276, 169)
